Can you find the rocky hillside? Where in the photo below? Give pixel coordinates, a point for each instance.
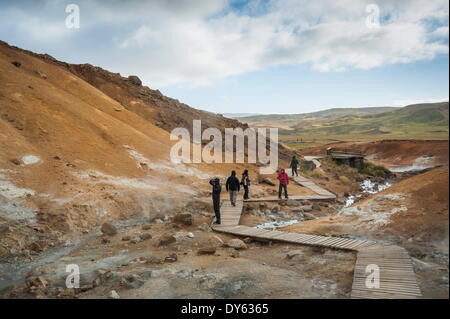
(160, 110)
(80, 145)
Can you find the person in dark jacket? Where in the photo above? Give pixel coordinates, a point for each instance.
(294, 165)
(284, 181)
(233, 187)
(245, 182)
(216, 189)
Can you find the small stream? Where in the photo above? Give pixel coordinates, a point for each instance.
(14, 273)
(368, 188)
(277, 224)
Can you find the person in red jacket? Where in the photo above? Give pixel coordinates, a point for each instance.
(284, 181)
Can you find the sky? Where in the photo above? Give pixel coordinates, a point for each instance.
(255, 56)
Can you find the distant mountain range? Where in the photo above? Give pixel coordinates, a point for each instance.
(239, 115)
(428, 120)
(290, 120)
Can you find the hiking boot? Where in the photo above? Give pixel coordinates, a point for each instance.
(217, 222)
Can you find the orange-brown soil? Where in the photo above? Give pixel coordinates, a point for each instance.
(393, 152)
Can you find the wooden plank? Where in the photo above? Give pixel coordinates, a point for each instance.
(389, 290)
(381, 294)
(287, 237)
(345, 244)
(406, 281)
(392, 284)
(397, 278)
(330, 241)
(401, 286)
(338, 242)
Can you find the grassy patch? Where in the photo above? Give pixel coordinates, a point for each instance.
(373, 170)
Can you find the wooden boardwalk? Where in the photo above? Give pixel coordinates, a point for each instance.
(396, 275)
(322, 194)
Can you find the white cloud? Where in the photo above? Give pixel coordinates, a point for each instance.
(405, 102)
(328, 35)
(198, 42)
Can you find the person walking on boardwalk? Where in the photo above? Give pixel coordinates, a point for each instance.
(294, 165)
(245, 183)
(216, 189)
(233, 187)
(284, 181)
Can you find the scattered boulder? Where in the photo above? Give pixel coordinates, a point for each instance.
(126, 238)
(145, 236)
(17, 64)
(248, 240)
(316, 206)
(309, 216)
(132, 281)
(147, 227)
(216, 241)
(166, 240)
(96, 282)
(135, 80)
(307, 208)
(180, 236)
(109, 229)
(237, 244)
(184, 218)
(157, 217)
(294, 253)
(135, 240)
(292, 203)
(38, 282)
(15, 161)
(37, 246)
(171, 258)
(297, 210)
(204, 227)
(210, 250)
(153, 260)
(234, 253)
(275, 209)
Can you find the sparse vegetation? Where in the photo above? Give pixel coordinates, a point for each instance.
(420, 121)
(373, 170)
